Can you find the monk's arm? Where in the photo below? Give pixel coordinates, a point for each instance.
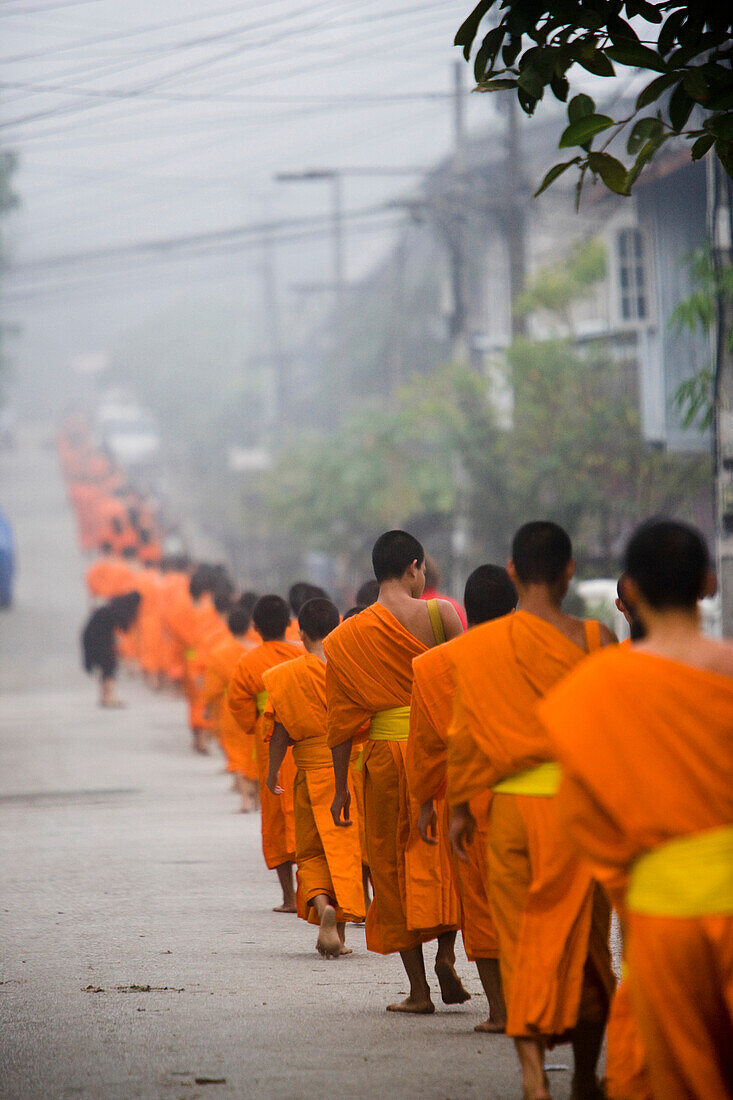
(341, 754)
(278, 747)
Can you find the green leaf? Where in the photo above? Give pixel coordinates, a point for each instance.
(580, 106)
(511, 50)
(721, 125)
(487, 53)
(577, 133)
(621, 32)
(643, 130)
(560, 87)
(467, 30)
(611, 171)
(722, 102)
(637, 56)
(696, 85)
(643, 157)
(669, 32)
(597, 63)
(532, 83)
(552, 175)
(655, 89)
(680, 108)
(498, 84)
(724, 151)
(702, 146)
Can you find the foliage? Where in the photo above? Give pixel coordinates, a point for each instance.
(575, 452)
(686, 47)
(556, 287)
(697, 313)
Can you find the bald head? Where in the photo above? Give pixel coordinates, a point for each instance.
(489, 594)
(669, 563)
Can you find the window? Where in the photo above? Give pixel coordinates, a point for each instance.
(633, 293)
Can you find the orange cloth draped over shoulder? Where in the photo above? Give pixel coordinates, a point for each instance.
(238, 749)
(108, 577)
(278, 830)
(328, 857)
(551, 917)
(369, 670)
(646, 745)
(426, 762)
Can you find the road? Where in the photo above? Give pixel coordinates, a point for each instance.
(140, 954)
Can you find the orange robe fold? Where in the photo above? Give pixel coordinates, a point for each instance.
(550, 915)
(426, 763)
(222, 661)
(646, 746)
(369, 669)
(278, 830)
(108, 577)
(328, 857)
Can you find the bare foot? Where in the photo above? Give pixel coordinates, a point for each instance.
(113, 704)
(289, 908)
(490, 1027)
(244, 810)
(328, 943)
(345, 950)
(542, 1093)
(451, 987)
(417, 1008)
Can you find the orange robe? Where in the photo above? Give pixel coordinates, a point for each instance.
(431, 711)
(149, 622)
(175, 604)
(328, 857)
(203, 626)
(646, 745)
(278, 830)
(108, 577)
(551, 916)
(369, 669)
(222, 661)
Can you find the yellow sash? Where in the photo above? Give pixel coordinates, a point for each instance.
(392, 724)
(261, 700)
(313, 753)
(542, 781)
(690, 876)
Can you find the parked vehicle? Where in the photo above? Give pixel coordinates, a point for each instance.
(7, 561)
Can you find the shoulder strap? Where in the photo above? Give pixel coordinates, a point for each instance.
(436, 622)
(592, 635)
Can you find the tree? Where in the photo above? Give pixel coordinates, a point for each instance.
(698, 312)
(686, 47)
(574, 452)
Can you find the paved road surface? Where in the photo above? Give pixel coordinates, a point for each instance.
(123, 866)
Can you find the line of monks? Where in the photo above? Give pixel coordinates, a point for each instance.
(515, 782)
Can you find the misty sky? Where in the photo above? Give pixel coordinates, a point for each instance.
(137, 121)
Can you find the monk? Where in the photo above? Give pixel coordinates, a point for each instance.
(644, 736)
(109, 575)
(98, 642)
(328, 858)
(368, 688)
(239, 750)
(551, 917)
(247, 699)
(298, 594)
(488, 595)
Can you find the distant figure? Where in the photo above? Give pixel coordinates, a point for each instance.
(368, 593)
(98, 641)
(432, 588)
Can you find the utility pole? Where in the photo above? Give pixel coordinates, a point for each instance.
(720, 206)
(514, 217)
(281, 411)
